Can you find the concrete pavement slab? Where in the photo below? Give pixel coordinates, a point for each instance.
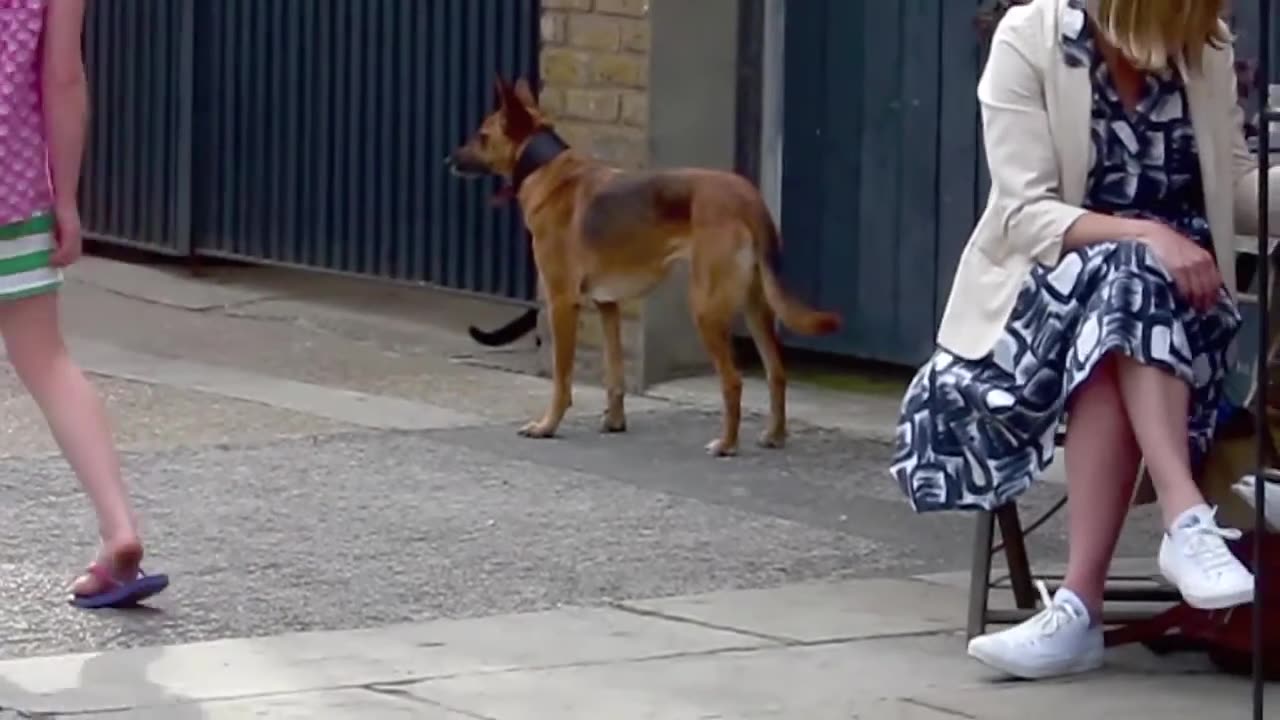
(356, 704)
(1104, 695)
(829, 682)
(349, 406)
(305, 662)
(164, 286)
(891, 678)
(823, 612)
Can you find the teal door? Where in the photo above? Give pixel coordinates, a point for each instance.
(881, 178)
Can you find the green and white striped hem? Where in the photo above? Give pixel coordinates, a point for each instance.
(25, 248)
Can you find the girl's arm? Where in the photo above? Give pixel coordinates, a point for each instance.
(66, 109)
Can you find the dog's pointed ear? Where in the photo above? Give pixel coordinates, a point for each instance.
(501, 91)
(524, 93)
(517, 119)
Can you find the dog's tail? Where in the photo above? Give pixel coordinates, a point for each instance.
(794, 314)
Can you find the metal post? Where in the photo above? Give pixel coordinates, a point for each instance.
(1263, 473)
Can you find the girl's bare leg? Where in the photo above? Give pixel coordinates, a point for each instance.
(33, 340)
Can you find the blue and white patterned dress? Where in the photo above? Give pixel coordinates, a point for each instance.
(974, 434)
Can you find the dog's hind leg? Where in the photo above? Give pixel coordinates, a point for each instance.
(615, 417)
(714, 321)
(760, 321)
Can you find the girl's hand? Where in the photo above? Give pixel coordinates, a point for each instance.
(1190, 265)
(66, 237)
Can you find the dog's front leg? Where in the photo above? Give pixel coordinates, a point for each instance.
(563, 314)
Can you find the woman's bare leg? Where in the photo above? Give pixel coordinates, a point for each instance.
(33, 340)
(1065, 637)
(1193, 553)
(1157, 404)
(1102, 460)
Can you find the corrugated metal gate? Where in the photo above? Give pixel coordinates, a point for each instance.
(136, 188)
(881, 176)
(307, 133)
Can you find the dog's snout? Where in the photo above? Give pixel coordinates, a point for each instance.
(463, 163)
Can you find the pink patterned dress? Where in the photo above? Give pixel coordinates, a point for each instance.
(26, 197)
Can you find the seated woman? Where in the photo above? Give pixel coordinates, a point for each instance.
(1098, 284)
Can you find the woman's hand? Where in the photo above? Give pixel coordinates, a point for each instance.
(66, 237)
(1190, 265)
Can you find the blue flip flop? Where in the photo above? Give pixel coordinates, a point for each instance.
(120, 594)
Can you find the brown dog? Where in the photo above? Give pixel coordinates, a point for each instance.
(602, 235)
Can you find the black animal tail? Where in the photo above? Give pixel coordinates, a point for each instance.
(509, 333)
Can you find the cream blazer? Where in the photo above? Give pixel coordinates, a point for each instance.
(1035, 122)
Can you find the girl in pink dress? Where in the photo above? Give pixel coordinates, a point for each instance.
(43, 107)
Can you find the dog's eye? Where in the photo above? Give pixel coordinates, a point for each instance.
(483, 138)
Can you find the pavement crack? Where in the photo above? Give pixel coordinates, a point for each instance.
(401, 694)
(776, 639)
(210, 309)
(741, 649)
(780, 639)
(850, 640)
(13, 713)
(937, 708)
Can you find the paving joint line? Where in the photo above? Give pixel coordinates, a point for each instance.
(783, 640)
(658, 615)
(207, 309)
(662, 657)
(401, 694)
(855, 639)
(938, 708)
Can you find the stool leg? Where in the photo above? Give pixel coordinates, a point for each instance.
(1015, 552)
(980, 574)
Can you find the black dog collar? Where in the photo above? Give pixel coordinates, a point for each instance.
(543, 147)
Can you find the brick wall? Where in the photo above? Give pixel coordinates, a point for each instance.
(595, 76)
(595, 86)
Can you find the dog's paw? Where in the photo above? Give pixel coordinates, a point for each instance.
(772, 440)
(610, 423)
(720, 448)
(537, 429)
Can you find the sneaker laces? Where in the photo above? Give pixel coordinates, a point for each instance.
(1054, 615)
(1206, 544)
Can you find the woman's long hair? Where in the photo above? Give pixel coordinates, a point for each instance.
(992, 11)
(1152, 33)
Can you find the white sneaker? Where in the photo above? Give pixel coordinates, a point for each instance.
(1195, 558)
(1059, 640)
(1271, 506)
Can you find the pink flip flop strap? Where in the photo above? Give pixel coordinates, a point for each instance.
(104, 575)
